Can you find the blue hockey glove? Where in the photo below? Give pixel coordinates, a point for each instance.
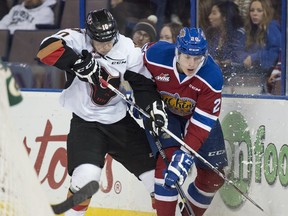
(178, 168)
(87, 68)
(158, 117)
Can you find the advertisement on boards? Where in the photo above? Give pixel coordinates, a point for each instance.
(256, 142)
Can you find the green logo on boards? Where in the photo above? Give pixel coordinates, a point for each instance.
(266, 163)
(239, 149)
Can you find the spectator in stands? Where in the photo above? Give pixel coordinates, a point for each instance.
(169, 32)
(27, 14)
(226, 35)
(4, 9)
(263, 40)
(203, 14)
(144, 31)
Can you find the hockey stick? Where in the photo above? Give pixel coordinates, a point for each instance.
(178, 187)
(80, 196)
(158, 144)
(105, 83)
(211, 167)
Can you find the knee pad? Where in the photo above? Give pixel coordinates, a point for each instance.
(83, 174)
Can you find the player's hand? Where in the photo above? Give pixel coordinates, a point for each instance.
(87, 68)
(178, 168)
(158, 117)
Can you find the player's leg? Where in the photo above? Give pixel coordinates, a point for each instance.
(165, 198)
(131, 149)
(82, 175)
(84, 161)
(207, 182)
(201, 192)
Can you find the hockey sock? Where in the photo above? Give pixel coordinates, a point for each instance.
(196, 210)
(165, 208)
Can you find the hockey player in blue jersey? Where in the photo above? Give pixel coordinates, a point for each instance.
(190, 84)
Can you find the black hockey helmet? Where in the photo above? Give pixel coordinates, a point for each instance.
(101, 25)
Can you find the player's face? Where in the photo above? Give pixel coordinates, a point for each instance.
(102, 47)
(189, 64)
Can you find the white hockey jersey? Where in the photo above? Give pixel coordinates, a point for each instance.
(96, 102)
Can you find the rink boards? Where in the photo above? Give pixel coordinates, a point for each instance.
(255, 137)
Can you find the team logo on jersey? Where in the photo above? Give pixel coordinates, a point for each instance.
(101, 95)
(163, 77)
(182, 106)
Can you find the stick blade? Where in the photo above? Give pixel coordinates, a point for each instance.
(80, 196)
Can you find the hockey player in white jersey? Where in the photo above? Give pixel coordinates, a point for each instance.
(100, 122)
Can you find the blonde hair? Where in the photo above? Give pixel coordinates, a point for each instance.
(256, 34)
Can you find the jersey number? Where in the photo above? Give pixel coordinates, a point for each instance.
(217, 103)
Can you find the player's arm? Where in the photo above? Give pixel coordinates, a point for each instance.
(144, 89)
(55, 52)
(204, 117)
(149, 99)
(139, 78)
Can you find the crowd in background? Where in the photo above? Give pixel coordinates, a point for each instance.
(244, 36)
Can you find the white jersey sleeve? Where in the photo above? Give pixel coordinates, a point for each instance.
(74, 38)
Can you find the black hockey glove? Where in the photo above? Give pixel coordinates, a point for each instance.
(158, 117)
(87, 68)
